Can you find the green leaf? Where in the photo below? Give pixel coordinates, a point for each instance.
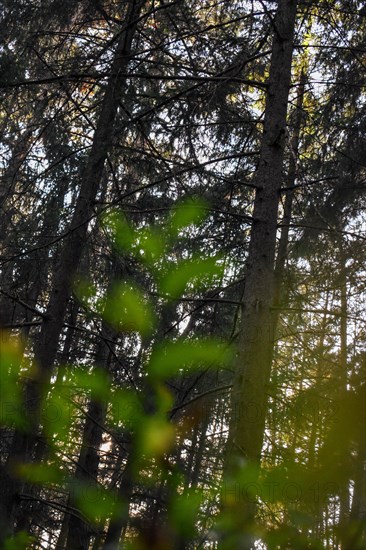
(164, 399)
(11, 401)
(84, 291)
(156, 436)
(146, 244)
(59, 412)
(150, 244)
(126, 408)
(242, 485)
(94, 382)
(123, 235)
(95, 502)
(196, 272)
(40, 473)
(20, 541)
(188, 212)
(183, 512)
(128, 310)
(169, 359)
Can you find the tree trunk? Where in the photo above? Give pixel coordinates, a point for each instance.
(344, 488)
(287, 208)
(88, 462)
(46, 348)
(120, 517)
(253, 365)
(358, 511)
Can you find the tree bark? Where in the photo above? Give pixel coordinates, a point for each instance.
(253, 364)
(287, 208)
(119, 519)
(79, 531)
(47, 345)
(344, 497)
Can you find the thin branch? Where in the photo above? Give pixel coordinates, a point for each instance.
(23, 304)
(200, 396)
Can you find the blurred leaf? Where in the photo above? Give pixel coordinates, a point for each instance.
(146, 244)
(165, 399)
(94, 501)
(242, 485)
(188, 212)
(59, 413)
(150, 245)
(197, 272)
(344, 426)
(20, 541)
(291, 536)
(40, 473)
(93, 381)
(126, 407)
(128, 310)
(123, 235)
(157, 436)
(11, 401)
(84, 291)
(169, 359)
(183, 510)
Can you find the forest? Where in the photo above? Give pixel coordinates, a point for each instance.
(182, 288)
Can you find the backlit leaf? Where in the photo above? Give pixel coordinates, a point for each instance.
(169, 359)
(126, 407)
(157, 436)
(196, 272)
(123, 235)
(40, 473)
(188, 212)
(128, 310)
(11, 405)
(94, 501)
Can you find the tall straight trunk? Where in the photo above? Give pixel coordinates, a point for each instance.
(8, 180)
(253, 365)
(47, 346)
(317, 507)
(119, 520)
(11, 174)
(199, 453)
(344, 497)
(287, 208)
(79, 531)
(358, 510)
(36, 273)
(75, 241)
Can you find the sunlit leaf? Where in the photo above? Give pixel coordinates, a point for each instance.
(188, 212)
(150, 245)
(197, 272)
(128, 310)
(157, 436)
(242, 485)
(84, 291)
(94, 382)
(95, 502)
(126, 407)
(123, 235)
(11, 406)
(183, 510)
(20, 541)
(58, 413)
(40, 473)
(164, 398)
(169, 359)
